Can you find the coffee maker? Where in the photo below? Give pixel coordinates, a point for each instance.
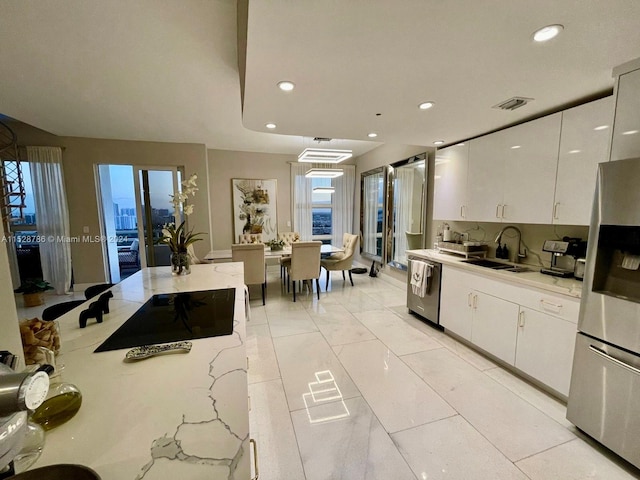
(568, 246)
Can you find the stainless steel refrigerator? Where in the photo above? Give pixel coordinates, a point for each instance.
(604, 398)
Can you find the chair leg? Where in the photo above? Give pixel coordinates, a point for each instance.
(263, 289)
(294, 291)
(350, 278)
(326, 285)
(318, 287)
(343, 279)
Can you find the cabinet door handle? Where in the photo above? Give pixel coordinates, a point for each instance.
(521, 319)
(504, 206)
(549, 306)
(469, 299)
(475, 301)
(461, 211)
(498, 211)
(253, 444)
(555, 210)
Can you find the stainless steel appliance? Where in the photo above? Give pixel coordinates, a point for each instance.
(425, 303)
(605, 382)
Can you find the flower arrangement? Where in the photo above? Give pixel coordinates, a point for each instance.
(179, 238)
(275, 244)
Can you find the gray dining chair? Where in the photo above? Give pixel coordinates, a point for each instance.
(305, 265)
(252, 255)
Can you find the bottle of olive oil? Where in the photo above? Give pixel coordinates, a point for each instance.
(62, 403)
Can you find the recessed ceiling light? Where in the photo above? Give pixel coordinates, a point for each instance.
(575, 151)
(286, 86)
(547, 33)
(601, 127)
(438, 142)
(372, 135)
(515, 147)
(270, 126)
(461, 144)
(630, 132)
(426, 105)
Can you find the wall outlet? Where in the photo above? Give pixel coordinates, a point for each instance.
(288, 223)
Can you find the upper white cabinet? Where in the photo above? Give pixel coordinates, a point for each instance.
(512, 173)
(450, 182)
(626, 130)
(584, 142)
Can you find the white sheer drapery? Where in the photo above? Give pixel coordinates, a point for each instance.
(52, 215)
(302, 200)
(342, 212)
(403, 193)
(370, 227)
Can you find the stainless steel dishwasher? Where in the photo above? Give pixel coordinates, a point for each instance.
(428, 305)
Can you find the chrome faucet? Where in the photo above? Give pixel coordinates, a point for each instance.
(518, 254)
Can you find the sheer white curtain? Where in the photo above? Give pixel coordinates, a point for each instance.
(370, 228)
(52, 215)
(343, 204)
(403, 193)
(301, 195)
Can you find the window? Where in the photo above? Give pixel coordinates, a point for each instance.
(322, 211)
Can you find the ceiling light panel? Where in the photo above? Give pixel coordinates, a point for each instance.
(324, 190)
(324, 173)
(324, 155)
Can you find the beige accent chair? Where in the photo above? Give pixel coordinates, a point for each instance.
(341, 260)
(250, 238)
(288, 238)
(414, 240)
(305, 264)
(252, 255)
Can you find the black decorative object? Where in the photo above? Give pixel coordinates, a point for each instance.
(96, 309)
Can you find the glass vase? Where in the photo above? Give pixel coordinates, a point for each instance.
(180, 263)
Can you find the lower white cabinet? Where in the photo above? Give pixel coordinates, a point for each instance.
(545, 347)
(494, 326)
(532, 331)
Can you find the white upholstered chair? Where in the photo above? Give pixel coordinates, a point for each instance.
(252, 255)
(288, 238)
(305, 264)
(250, 238)
(341, 260)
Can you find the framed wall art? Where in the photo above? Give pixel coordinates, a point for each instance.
(254, 207)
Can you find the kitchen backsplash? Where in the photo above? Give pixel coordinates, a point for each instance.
(533, 237)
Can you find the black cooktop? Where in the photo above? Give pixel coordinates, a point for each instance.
(174, 317)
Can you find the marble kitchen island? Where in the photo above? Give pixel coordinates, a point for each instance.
(173, 416)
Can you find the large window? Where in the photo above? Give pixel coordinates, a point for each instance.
(322, 210)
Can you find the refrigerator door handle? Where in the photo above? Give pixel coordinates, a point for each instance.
(608, 357)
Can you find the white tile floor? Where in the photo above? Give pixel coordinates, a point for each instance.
(351, 387)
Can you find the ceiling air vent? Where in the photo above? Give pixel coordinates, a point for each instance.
(321, 139)
(513, 103)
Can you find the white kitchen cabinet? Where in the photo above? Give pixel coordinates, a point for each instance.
(626, 129)
(450, 182)
(486, 177)
(512, 173)
(584, 142)
(494, 327)
(456, 294)
(524, 327)
(545, 347)
(531, 159)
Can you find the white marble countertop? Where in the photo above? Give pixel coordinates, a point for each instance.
(176, 416)
(565, 286)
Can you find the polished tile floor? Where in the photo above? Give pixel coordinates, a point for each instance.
(353, 387)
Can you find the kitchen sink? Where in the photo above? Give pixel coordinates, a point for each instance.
(493, 265)
(58, 472)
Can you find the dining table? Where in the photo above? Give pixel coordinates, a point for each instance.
(220, 256)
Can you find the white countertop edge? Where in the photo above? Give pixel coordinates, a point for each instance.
(564, 286)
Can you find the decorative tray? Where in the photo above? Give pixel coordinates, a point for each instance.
(467, 249)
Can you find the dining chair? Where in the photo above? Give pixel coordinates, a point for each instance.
(341, 260)
(287, 238)
(305, 264)
(252, 255)
(250, 238)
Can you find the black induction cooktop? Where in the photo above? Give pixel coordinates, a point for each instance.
(174, 317)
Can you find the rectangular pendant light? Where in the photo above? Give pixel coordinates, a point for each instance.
(324, 173)
(324, 190)
(324, 155)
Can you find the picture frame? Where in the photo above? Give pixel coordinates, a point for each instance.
(254, 203)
